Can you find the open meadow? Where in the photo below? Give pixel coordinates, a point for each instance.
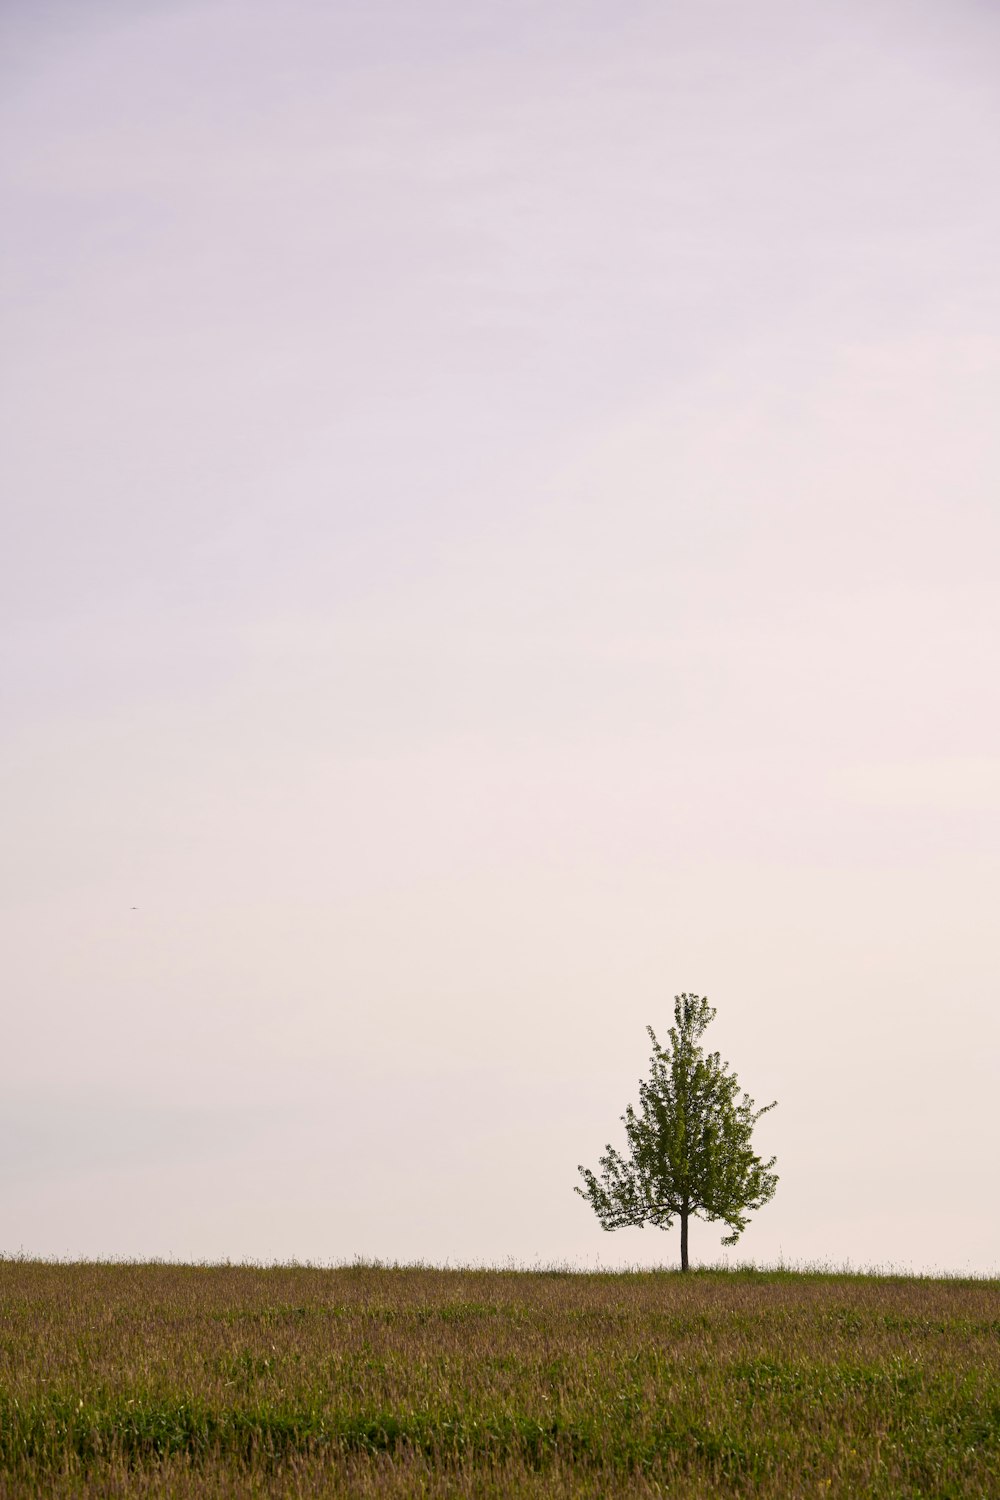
(156, 1379)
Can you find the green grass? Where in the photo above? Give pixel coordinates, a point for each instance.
(119, 1379)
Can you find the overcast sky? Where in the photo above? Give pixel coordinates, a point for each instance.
(500, 525)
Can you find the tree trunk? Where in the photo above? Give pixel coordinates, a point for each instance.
(684, 1238)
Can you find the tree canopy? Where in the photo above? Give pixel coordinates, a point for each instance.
(689, 1142)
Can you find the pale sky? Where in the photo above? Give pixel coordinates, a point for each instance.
(501, 524)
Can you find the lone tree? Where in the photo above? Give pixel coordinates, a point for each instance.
(689, 1142)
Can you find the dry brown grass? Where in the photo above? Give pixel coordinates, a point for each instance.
(128, 1380)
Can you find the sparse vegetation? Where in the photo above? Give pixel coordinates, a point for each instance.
(122, 1380)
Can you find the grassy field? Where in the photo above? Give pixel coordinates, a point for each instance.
(235, 1380)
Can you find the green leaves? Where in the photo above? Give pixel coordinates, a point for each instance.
(689, 1141)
